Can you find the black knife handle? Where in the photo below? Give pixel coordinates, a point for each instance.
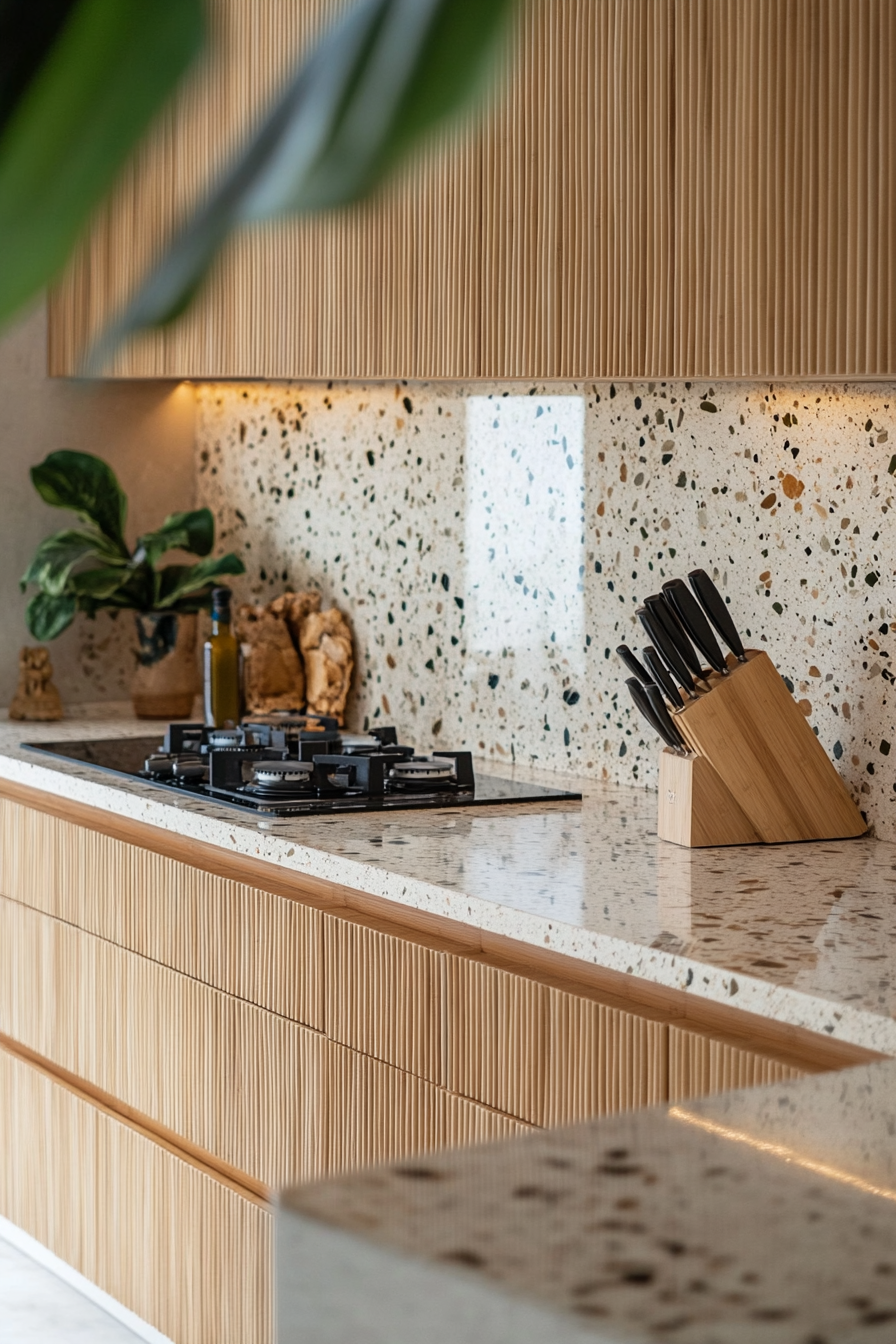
(658, 705)
(690, 613)
(668, 733)
(634, 665)
(676, 632)
(656, 633)
(658, 674)
(713, 604)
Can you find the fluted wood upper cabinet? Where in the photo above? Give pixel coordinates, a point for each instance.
(660, 188)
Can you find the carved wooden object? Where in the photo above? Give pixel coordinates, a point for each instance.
(36, 697)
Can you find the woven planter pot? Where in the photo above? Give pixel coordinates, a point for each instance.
(167, 679)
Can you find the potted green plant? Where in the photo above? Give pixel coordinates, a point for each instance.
(90, 568)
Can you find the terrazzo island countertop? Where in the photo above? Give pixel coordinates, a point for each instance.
(804, 935)
(759, 1217)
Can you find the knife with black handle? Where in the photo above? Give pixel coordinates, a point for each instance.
(658, 673)
(676, 632)
(656, 633)
(634, 665)
(690, 614)
(664, 727)
(658, 705)
(713, 604)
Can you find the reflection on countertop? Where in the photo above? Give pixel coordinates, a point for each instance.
(767, 1215)
(805, 934)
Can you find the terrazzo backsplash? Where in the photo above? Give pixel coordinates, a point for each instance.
(491, 545)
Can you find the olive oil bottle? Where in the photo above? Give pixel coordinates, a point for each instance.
(221, 680)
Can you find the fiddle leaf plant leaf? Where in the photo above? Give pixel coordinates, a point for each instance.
(193, 531)
(47, 617)
(381, 77)
(57, 556)
(106, 69)
(98, 584)
(176, 582)
(88, 487)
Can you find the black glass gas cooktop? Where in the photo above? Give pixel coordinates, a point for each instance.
(289, 765)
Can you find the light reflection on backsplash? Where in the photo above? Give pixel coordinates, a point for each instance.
(524, 533)
(486, 621)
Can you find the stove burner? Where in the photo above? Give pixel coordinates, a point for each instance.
(226, 737)
(280, 779)
(423, 772)
(278, 772)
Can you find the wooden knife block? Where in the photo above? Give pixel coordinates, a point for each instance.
(757, 773)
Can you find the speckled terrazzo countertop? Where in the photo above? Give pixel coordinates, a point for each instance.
(758, 1217)
(802, 934)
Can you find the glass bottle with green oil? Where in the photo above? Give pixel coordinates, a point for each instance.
(222, 666)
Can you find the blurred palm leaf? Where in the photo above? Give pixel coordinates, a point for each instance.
(79, 84)
(382, 77)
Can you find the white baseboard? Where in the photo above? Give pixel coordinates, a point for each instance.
(30, 1247)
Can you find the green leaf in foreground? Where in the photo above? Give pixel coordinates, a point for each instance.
(57, 556)
(176, 582)
(193, 531)
(382, 76)
(47, 617)
(89, 487)
(111, 67)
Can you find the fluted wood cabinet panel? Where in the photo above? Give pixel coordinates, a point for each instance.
(381, 1114)
(246, 942)
(182, 1250)
(496, 1037)
(699, 1066)
(384, 997)
(601, 1060)
(658, 188)
(235, 1080)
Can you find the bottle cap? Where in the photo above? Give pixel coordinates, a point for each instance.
(221, 603)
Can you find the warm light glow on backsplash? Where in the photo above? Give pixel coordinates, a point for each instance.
(370, 492)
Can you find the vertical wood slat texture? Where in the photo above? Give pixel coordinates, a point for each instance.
(244, 941)
(182, 1250)
(699, 1066)
(659, 188)
(227, 978)
(244, 1084)
(472, 1052)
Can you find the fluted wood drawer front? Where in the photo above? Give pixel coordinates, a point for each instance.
(383, 997)
(185, 1252)
(699, 1066)
(601, 1060)
(237, 1081)
(496, 1037)
(247, 942)
(380, 1113)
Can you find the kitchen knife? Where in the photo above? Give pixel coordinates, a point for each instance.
(656, 633)
(676, 632)
(713, 604)
(658, 705)
(634, 665)
(667, 731)
(658, 674)
(690, 614)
